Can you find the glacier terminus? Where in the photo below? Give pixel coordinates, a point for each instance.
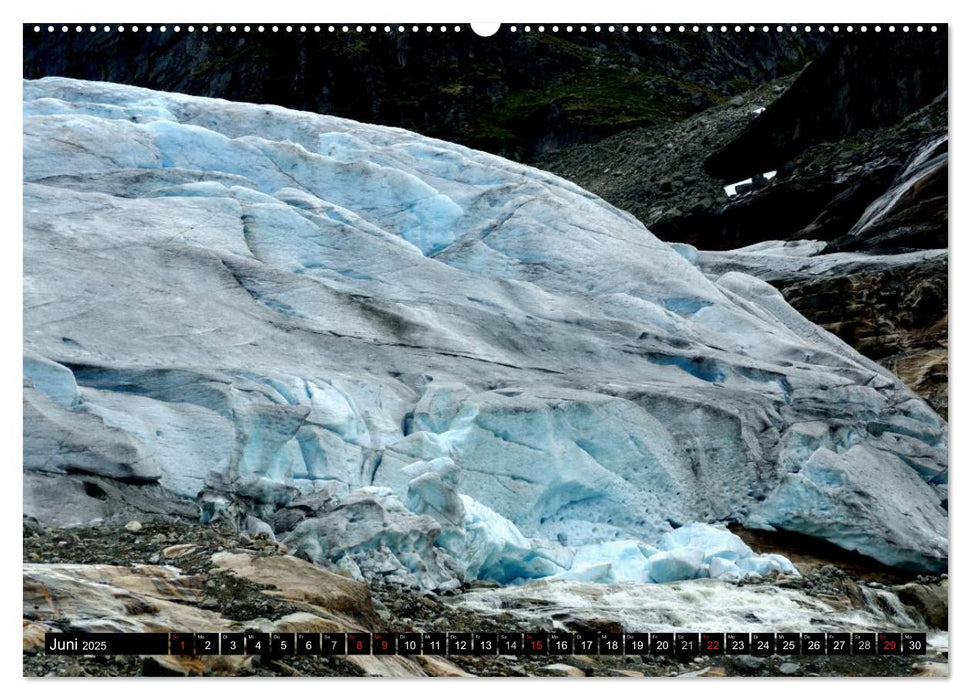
(408, 359)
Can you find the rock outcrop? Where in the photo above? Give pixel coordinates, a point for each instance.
(897, 316)
(859, 82)
(232, 589)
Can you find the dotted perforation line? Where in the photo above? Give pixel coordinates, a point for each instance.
(724, 29)
(428, 28)
(247, 28)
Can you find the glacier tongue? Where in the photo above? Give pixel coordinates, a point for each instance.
(264, 305)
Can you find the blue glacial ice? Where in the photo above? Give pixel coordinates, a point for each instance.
(263, 305)
(695, 550)
(440, 535)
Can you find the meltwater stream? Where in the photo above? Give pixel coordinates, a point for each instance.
(928, 163)
(698, 605)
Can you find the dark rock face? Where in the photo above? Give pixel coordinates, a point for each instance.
(657, 173)
(860, 82)
(912, 213)
(896, 316)
(824, 192)
(821, 194)
(513, 94)
(759, 216)
(867, 172)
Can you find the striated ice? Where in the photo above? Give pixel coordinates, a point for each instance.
(427, 546)
(486, 545)
(370, 534)
(259, 303)
(785, 260)
(489, 546)
(433, 490)
(495, 549)
(695, 550)
(54, 380)
(831, 497)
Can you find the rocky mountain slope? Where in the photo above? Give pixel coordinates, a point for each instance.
(867, 173)
(419, 362)
(514, 94)
(861, 82)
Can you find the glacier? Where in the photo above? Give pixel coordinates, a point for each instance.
(409, 358)
(442, 538)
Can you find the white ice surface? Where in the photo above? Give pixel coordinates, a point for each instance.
(783, 260)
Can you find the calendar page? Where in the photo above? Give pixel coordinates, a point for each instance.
(445, 350)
